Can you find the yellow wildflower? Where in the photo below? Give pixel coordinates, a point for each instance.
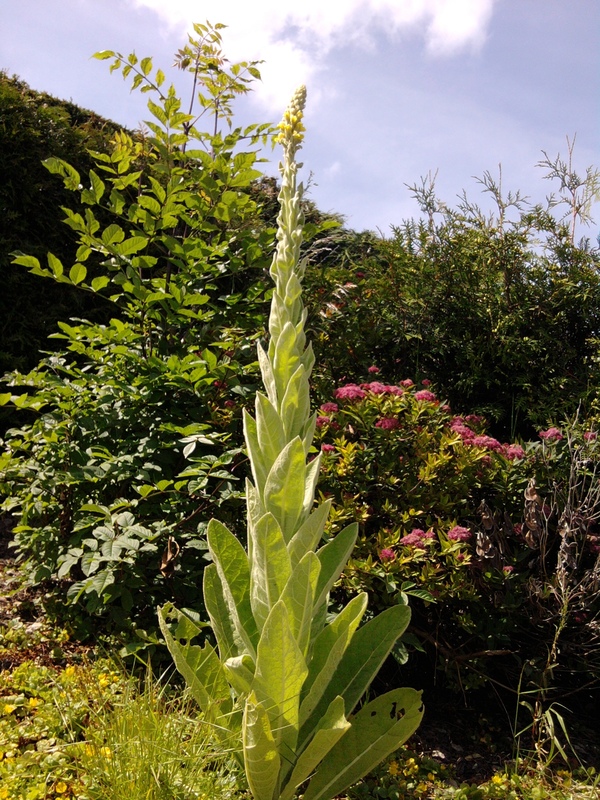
(106, 752)
(61, 787)
(393, 768)
(498, 780)
(34, 702)
(8, 708)
(103, 680)
(69, 672)
(3, 793)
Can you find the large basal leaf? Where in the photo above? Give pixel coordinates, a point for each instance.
(332, 726)
(284, 487)
(261, 756)
(270, 569)
(365, 654)
(201, 668)
(328, 650)
(234, 571)
(379, 728)
(280, 673)
(218, 612)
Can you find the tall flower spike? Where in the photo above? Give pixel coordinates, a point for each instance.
(297, 674)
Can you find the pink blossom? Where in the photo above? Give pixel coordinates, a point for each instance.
(446, 409)
(417, 537)
(488, 442)
(375, 387)
(412, 539)
(395, 390)
(230, 404)
(458, 426)
(513, 452)
(322, 421)
(327, 448)
(551, 435)
(330, 408)
(473, 419)
(590, 436)
(407, 383)
(374, 370)
(350, 392)
(387, 423)
(426, 396)
(459, 534)
(426, 382)
(387, 554)
(507, 570)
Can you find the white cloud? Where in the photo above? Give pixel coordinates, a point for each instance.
(294, 39)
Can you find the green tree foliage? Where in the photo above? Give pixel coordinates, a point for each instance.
(132, 444)
(502, 311)
(35, 126)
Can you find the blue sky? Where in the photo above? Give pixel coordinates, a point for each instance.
(397, 88)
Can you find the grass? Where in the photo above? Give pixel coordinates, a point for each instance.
(92, 732)
(79, 727)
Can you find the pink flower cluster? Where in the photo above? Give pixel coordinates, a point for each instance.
(459, 534)
(322, 421)
(387, 554)
(327, 448)
(551, 435)
(350, 392)
(330, 408)
(417, 538)
(387, 423)
(425, 396)
(468, 435)
(590, 436)
(374, 370)
(353, 392)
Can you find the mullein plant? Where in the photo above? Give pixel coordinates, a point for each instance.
(287, 676)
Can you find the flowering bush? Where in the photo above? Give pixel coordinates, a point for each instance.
(436, 498)
(496, 542)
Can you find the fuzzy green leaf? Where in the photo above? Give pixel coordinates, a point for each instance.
(379, 728)
(332, 726)
(219, 613)
(280, 673)
(365, 654)
(201, 668)
(232, 565)
(261, 756)
(328, 650)
(270, 568)
(284, 487)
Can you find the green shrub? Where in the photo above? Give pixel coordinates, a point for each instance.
(133, 444)
(502, 315)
